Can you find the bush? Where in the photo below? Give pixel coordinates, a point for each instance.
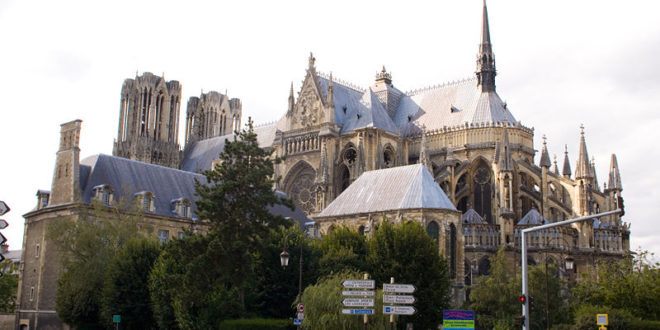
(618, 319)
(644, 324)
(256, 324)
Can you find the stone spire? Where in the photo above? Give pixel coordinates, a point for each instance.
(504, 159)
(614, 182)
(593, 173)
(555, 169)
(312, 61)
(384, 76)
(583, 166)
(486, 59)
(331, 93)
(292, 100)
(566, 171)
(545, 157)
(423, 155)
(322, 176)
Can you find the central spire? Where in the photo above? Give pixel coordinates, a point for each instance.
(485, 59)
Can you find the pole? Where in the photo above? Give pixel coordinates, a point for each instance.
(523, 254)
(300, 269)
(391, 315)
(366, 318)
(547, 294)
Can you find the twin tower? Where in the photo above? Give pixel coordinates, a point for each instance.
(149, 119)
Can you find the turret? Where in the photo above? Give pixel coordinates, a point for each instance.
(67, 165)
(292, 101)
(566, 171)
(545, 157)
(614, 182)
(583, 166)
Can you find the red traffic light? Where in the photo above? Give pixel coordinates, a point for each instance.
(522, 299)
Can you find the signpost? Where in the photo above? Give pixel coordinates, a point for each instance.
(457, 319)
(399, 288)
(116, 319)
(394, 298)
(3, 224)
(366, 285)
(4, 208)
(601, 321)
(399, 310)
(398, 299)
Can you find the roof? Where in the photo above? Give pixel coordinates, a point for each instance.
(534, 218)
(200, 154)
(127, 177)
(472, 217)
(404, 187)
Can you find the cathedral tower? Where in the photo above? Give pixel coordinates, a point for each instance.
(149, 120)
(212, 114)
(486, 59)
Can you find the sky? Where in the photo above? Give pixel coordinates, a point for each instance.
(560, 64)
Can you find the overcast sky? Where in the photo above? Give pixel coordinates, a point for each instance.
(560, 64)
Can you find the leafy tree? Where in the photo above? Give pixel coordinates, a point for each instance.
(406, 252)
(323, 305)
(343, 249)
(235, 201)
(125, 291)
(8, 286)
(86, 245)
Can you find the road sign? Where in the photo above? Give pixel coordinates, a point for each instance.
(357, 311)
(355, 302)
(399, 310)
(3, 224)
(399, 288)
(300, 308)
(357, 293)
(301, 316)
(4, 208)
(398, 299)
(456, 319)
(297, 322)
(2, 239)
(359, 284)
(601, 319)
(116, 318)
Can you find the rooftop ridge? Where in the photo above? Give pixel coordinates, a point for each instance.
(467, 125)
(342, 82)
(413, 92)
(268, 123)
(137, 162)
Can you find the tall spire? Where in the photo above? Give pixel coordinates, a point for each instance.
(615, 178)
(423, 155)
(555, 169)
(292, 100)
(593, 173)
(331, 93)
(566, 172)
(486, 59)
(545, 157)
(583, 166)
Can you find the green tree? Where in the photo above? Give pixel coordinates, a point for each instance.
(235, 201)
(343, 249)
(406, 252)
(126, 292)
(86, 245)
(8, 286)
(323, 305)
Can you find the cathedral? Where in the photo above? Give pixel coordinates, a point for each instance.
(451, 157)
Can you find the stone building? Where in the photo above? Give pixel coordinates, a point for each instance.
(451, 157)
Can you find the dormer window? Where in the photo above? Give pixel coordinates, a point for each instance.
(181, 207)
(145, 201)
(42, 199)
(104, 193)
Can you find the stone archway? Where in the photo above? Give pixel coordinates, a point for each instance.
(299, 185)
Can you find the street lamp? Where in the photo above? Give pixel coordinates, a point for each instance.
(284, 261)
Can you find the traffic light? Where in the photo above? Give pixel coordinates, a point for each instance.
(520, 320)
(522, 299)
(531, 303)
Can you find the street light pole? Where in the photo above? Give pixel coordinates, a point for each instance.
(523, 254)
(284, 260)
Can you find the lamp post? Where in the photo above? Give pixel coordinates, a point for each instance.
(568, 265)
(523, 254)
(284, 261)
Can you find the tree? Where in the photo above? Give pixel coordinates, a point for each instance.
(235, 201)
(8, 286)
(86, 245)
(343, 249)
(126, 292)
(323, 304)
(406, 252)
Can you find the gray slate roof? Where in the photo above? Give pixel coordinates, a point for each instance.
(127, 177)
(201, 154)
(472, 217)
(398, 188)
(533, 217)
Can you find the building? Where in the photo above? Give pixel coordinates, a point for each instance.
(451, 157)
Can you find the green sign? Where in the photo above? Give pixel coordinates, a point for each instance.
(116, 318)
(458, 319)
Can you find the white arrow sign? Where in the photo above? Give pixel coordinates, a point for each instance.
(357, 293)
(401, 299)
(399, 310)
(358, 302)
(3, 224)
(359, 284)
(3, 208)
(357, 311)
(399, 288)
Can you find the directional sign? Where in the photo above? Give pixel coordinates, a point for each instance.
(359, 284)
(2, 239)
(399, 288)
(3, 224)
(357, 311)
(358, 302)
(399, 310)
(357, 293)
(3, 208)
(398, 299)
(297, 322)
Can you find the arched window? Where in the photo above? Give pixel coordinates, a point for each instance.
(344, 177)
(299, 186)
(482, 192)
(452, 251)
(388, 157)
(434, 231)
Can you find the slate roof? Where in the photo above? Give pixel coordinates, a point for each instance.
(472, 217)
(534, 218)
(398, 188)
(200, 154)
(127, 177)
